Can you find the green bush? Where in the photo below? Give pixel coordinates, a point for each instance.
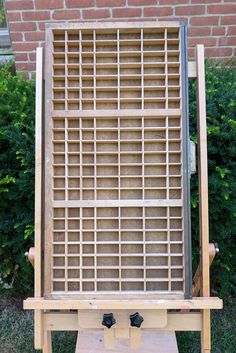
(221, 134)
(17, 177)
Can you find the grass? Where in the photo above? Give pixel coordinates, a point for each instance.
(16, 332)
(223, 325)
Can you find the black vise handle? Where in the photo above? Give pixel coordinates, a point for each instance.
(108, 320)
(136, 320)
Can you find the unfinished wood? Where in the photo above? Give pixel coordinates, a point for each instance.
(197, 277)
(206, 332)
(203, 173)
(92, 320)
(109, 338)
(54, 321)
(96, 304)
(38, 337)
(38, 329)
(135, 338)
(31, 256)
(47, 344)
(152, 342)
(203, 198)
(175, 322)
(122, 332)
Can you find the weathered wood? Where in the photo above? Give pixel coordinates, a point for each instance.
(48, 145)
(116, 113)
(192, 69)
(112, 25)
(113, 139)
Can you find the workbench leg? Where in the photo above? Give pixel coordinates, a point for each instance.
(47, 346)
(206, 331)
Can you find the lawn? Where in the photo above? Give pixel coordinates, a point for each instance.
(16, 332)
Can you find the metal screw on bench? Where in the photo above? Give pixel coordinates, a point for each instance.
(108, 320)
(136, 320)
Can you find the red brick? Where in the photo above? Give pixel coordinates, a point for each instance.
(95, 14)
(16, 37)
(190, 10)
(158, 11)
(49, 4)
(231, 30)
(23, 46)
(79, 3)
(203, 1)
(221, 9)
(21, 57)
(141, 2)
(204, 21)
(41, 25)
(173, 2)
(110, 3)
(199, 31)
(228, 20)
(126, 12)
(25, 66)
(13, 16)
(180, 19)
(218, 52)
(208, 42)
(191, 52)
(20, 5)
(66, 15)
(36, 15)
(32, 56)
(22, 26)
(218, 31)
(33, 36)
(227, 41)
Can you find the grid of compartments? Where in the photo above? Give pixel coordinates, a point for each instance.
(118, 249)
(116, 68)
(117, 158)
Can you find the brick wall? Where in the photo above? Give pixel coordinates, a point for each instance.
(211, 22)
